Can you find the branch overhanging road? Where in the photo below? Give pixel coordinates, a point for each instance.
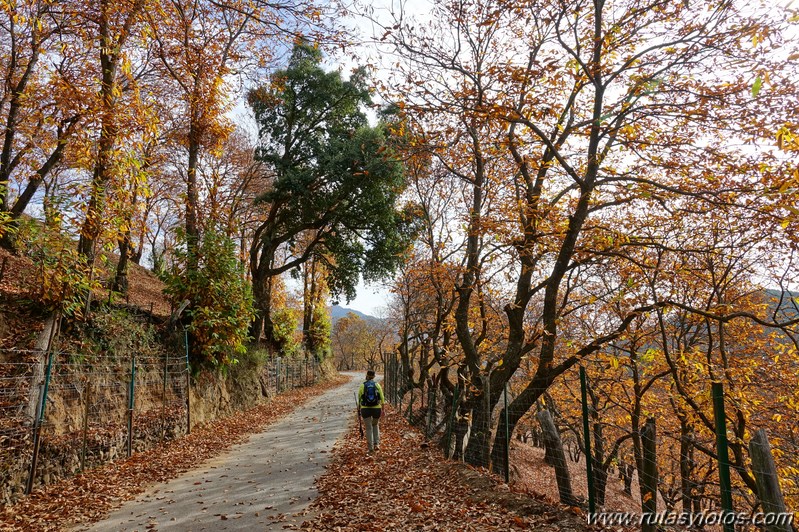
(266, 483)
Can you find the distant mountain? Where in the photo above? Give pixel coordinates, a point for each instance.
(337, 312)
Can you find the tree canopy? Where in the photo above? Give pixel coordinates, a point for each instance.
(334, 179)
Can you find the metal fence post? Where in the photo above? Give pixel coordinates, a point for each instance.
(589, 457)
(131, 403)
(37, 425)
(164, 417)
(717, 390)
(507, 438)
(87, 400)
(277, 375)
(188, 381)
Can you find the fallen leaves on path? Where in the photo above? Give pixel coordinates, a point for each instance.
(91, 496)
(407, 485)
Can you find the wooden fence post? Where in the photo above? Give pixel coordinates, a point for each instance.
(768, 484)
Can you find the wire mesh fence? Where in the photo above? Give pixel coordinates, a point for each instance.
(62, 413)
(651, 480)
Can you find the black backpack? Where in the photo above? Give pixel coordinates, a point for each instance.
(371, 397)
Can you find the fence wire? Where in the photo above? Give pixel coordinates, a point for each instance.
(62, 413)
(467, 431)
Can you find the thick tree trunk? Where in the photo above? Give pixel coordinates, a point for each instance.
(476, 452)
(110, 48)
(192, 200)
(600, 467)
(120, 283)
(554, 443)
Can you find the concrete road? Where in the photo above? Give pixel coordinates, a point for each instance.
(259, 485)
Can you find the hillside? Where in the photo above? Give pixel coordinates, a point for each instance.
(337, 312)
(20, 281)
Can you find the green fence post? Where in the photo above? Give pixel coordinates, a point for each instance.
(131, 403)
(507, 438)
(188, 381)
(37, 424)
(164, 416)
(589, 466)
(277, 375)
(84, 440)
(724, 458)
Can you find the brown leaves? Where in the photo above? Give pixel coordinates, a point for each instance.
(89, 497)
(407, 485)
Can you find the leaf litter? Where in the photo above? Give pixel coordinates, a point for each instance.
(406, 485)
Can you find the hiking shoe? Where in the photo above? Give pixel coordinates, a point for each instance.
(377, 447)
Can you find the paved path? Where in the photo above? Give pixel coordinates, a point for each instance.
(257, 485)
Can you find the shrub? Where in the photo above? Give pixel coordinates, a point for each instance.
(64, 278)
(286, 321)
(221, 307)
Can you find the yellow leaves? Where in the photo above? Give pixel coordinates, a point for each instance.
(787, 140)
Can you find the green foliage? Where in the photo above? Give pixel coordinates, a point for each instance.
(319, 333)
(286, 321)
(63, 277)
(115, 332)
(5, 216)
(254, 357)
(221, 300)
(334, 174)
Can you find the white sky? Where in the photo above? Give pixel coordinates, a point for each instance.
(370, 300)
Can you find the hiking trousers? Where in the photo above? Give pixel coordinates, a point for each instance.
(372, 428)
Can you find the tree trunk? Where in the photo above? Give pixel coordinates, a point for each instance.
(553, 442)
(476, 452)
(686, 467)
(192, 200)
(627, 472)
(120, 283)
(110, 50)
(648, 476)
(600, 467)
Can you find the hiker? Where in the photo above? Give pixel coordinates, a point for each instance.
(370, 400)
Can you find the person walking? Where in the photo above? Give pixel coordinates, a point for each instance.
(370, 401)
